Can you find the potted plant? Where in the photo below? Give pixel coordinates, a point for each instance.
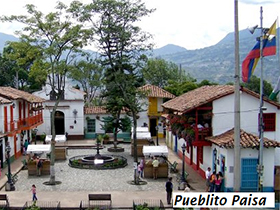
(99, 139)
(106, 138)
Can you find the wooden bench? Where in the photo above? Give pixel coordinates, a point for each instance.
(100, 201)
(4, 201)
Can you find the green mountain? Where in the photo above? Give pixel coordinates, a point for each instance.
(215, 63)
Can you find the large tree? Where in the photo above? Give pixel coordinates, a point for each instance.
(7, 71)
(90, 75)
(158, 71)
(121, 44)
(23, 54)
(254, 85)
(59, 38)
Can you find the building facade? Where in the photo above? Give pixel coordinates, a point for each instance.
(207, 146)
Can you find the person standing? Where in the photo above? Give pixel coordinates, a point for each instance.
(141, 168)
(155, 164)
(39, 165)
(25, 146)
(33, 190)
(169, 189)
(207, 176)
(218, 182)
(212, 181)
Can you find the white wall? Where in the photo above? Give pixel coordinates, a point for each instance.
(251, 153)
(223, 115)
(73, 99)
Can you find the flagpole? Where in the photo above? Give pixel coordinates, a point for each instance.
(261, 126)
(237, 174)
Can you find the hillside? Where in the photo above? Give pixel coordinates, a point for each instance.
(215, 63)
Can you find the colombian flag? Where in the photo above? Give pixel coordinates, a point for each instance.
(269, 48)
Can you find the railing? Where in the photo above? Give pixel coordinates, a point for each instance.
(148, 204)
(27, 122)
(43, 205)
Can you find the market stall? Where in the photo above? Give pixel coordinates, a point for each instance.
(60, 152)
(143, 137)
(35, 153)
(161, 152)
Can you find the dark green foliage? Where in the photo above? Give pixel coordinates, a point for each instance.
(254, 85)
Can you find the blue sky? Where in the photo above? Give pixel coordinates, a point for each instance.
(192, 24)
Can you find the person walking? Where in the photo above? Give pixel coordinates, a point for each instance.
(207, 176)
(33, 190)
(155, 164)
(169, 189)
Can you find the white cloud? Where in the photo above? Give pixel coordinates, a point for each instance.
(190, 24)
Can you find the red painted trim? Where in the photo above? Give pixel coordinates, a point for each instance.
(194, 166)
(5, 119)
(24, 112)
(19, 110)
(201, 143)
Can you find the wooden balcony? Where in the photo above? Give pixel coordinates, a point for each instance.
(30, 122)
(200, 134)
(23, 124)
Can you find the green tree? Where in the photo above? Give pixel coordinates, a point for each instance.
(7, 72)
(179, 87)
(121, 45)
(89, 74)
(23, 54)
(59, 39)
(158, 71)
(254, 85)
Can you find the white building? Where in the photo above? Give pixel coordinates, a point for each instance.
(212, 147)
(69, 116)
(20, 113)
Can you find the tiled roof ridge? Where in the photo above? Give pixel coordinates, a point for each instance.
(12, 93)
(155, 91)
(247, 140)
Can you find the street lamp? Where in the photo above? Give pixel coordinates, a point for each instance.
(9, 185)
(183, 163)
(157, 133)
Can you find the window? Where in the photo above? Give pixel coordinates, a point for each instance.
(91, 125)
(269, 121)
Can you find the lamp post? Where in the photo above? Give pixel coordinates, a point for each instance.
(9, 185)
(183, 180)
(157, 133)
(260, 167)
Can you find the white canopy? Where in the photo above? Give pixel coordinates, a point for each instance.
(37, 148)
(58, 138)
(140, 129)
(142, 135)
(155, 151)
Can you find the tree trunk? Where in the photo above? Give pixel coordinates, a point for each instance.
(136, 180)
(52, 161)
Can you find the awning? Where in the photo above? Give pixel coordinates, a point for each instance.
(36, 148)
(58, 138)
(142, 135)
(155, 151)
(140, 129)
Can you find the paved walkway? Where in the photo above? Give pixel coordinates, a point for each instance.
(78, 183)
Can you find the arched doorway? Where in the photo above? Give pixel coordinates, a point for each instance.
(59, 123)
